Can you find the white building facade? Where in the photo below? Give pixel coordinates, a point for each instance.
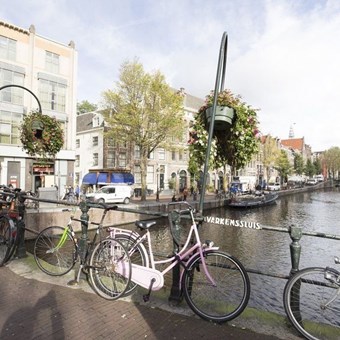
(48, 69)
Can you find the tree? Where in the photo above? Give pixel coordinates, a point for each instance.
(271, 153)
(309, 169)
(144, 111)
(298, 164)
(283, 166)
(332, 160)
(85, 106)
(318, 166)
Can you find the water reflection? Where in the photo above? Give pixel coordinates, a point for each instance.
(268, 251)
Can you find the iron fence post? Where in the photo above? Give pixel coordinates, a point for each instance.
(84, 227)
(175, 293)
(295, 247)
(21, 247)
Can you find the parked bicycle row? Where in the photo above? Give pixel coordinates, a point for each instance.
(215, 284)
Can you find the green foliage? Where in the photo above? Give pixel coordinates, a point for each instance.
(144, 111)
(283, 166)
(309, 169)
(298, 164)
(51, 140)
(85, 106)
(172, 183)
(332, 160)
(318, 166)
(235, 147)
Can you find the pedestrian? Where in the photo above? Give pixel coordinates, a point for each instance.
(77, 192)
(185, 193)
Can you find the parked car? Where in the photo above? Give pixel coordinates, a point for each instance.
(111, 194)
(319, 178)
(312, 181)
(274, 186)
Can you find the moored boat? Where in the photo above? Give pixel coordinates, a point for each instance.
(252, 201)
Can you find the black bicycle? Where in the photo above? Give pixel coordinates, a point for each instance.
(9, 219)
(57, 249)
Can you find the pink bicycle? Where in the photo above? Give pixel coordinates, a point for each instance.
(215, 284)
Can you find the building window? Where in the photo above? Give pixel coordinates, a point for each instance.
(8, 48)
(9, 127)
(122, 159)
(110, 159)
(77, 143)
(137, 152)
(77, 161)
(95, 141)
(180, 156)
(161, 154)
(137, 174)
(52, 95)
(96, 121)
(110, 142)
(12, 95)
(150, 175)
(173, 155)
(52, 62)
(95, 159)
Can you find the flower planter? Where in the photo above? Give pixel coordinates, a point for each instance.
(223, 117)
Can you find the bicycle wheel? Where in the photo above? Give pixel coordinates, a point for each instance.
(110, 269)
(14, 241)
(227, 297)
(55, 251)
(7, 238)
(138, 255)
(308, 303)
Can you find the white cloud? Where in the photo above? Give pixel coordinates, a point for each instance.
(283, 56)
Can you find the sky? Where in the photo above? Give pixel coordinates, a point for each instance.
(283, 56)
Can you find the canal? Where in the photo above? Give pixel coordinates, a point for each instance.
(268, 251)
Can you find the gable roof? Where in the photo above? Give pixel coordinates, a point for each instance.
(84, 121)
(294, 143)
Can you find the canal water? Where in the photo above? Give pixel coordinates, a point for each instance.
(268, 251)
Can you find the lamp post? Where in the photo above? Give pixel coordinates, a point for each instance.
(157, 192)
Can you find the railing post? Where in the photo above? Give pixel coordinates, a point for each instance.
(21, 248)
(175, 293)
(84, 227)
(295, 247)
(84, 217)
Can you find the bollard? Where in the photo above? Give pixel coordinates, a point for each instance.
(21, 248)
(175, 293)
(295, 247)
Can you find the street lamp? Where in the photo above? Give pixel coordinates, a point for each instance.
(157, 192)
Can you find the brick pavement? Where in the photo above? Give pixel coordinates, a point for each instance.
(32, 309)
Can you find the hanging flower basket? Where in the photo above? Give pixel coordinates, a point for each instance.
(224, 116)
(41, 135)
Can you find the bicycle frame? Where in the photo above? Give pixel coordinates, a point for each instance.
(148, 276)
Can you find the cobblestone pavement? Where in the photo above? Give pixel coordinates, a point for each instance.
(33, 309)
